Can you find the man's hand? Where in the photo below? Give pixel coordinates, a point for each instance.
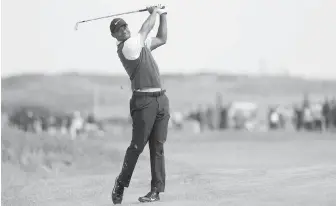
(159, 9)
(152, 9)
(162, 11)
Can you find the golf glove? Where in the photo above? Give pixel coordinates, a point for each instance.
(162, 11)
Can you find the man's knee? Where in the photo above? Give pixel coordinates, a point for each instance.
(136, 148)
(159, 148)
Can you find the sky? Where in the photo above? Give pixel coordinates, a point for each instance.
(236, 36)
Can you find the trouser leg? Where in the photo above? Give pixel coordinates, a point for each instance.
(157, 139)
(143, 112)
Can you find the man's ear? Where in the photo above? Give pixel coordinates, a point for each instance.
(113, 35)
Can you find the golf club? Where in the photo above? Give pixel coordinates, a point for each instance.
(103, 17)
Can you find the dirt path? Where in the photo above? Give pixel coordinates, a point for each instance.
(211, 173)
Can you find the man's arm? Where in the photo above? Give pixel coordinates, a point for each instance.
(161, 36)
(148, 25)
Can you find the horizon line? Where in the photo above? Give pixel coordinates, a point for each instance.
(175, 73)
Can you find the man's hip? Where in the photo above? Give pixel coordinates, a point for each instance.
(151, 92)
(144, 97)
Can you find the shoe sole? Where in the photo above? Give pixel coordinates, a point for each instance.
(143, 200)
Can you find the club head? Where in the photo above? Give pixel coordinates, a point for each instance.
(76, 26)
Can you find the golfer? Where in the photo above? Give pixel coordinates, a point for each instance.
(149, 106)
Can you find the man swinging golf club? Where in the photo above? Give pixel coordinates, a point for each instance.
(149, 105)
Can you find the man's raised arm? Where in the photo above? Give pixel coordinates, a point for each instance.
(148, 25)
(161, 36)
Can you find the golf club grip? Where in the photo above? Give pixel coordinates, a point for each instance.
(141, 10)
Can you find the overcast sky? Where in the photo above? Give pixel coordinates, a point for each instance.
(225, 36)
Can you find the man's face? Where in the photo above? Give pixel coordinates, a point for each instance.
(122, 34)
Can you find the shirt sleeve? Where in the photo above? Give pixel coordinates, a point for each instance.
(132, 47)
(148, 42)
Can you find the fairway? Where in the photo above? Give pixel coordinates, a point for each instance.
(218, 168)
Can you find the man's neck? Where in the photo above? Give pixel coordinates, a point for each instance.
(120, 41)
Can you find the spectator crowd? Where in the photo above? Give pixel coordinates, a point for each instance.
(38, 120)
(308, 115)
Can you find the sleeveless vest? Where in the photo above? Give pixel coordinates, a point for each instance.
(143, 71)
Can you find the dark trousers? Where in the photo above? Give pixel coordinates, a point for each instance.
(150, 116)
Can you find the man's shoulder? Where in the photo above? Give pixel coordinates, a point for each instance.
(131, 48)
(133, 41)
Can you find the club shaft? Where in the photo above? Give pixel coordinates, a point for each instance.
(112, 15)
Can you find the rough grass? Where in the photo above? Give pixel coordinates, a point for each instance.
(27, 157)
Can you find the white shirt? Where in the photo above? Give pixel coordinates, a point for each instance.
(308, 115)
(132, 47)
(275, 117)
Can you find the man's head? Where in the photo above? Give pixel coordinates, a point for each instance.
(119, 29)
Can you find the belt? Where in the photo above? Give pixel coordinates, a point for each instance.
(151, 94)
(149, 90)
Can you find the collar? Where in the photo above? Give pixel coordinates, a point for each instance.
(118, 42)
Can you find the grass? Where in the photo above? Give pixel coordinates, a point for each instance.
(214, 168)
(27, 156)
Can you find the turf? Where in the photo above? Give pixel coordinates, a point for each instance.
(215, 168)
